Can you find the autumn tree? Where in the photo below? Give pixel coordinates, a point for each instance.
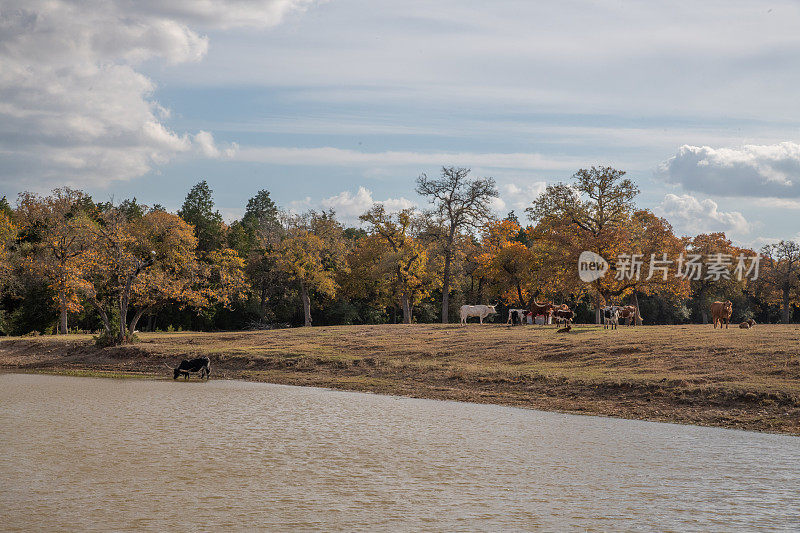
(594, 208)
(507, 262)
(8, 233)
(58, 243)
(707, 288)
(366, 277)
(224, 280)
(401, 256)
(311, 254)
(648, 261)
(460, 204)
(176, 276)
(124, 252)
(780, 275)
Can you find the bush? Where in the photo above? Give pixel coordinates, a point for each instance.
(106, 339)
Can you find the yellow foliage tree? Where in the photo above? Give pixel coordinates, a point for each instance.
(8, 232)
(224, 279)
(706, 288)
(401, 256)
(311, 254)
(59, 229)
(176, 275)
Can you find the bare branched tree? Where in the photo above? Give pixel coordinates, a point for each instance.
(461, 204)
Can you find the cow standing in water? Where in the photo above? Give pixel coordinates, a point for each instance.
(480, 311)
(721, 311)
(200, 364)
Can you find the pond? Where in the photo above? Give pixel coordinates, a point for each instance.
(101, 454)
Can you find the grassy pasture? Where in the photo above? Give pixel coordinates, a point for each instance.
(748, 379)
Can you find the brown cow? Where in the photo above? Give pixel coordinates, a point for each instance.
(630, 313)
(542, 309)
(721, 311)
(563, 312)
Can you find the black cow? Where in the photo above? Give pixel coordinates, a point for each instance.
(199, 364)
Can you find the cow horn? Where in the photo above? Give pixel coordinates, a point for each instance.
(166, 365)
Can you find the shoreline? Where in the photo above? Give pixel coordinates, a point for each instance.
(590, 372)
(111, 374)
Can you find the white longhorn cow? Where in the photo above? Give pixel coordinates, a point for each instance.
(481, 311)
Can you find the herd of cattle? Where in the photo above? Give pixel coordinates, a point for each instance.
(611, 315)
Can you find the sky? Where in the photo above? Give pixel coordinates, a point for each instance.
(343, 103)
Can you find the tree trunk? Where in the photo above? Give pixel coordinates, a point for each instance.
(704, 314)
(103, 314)
(63, 328)
(123, 320)
(124, 299)
(306, 304)
(263, 303)
(446, 285)
(786, 307)
(135, 320)
(597, 311)
(637, 316)
(406, 303)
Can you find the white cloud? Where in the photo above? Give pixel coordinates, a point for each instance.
(752, 170)
(329, 156)
(498, 205)
(205, 144)
(349, 206)
(690, 216)
(74, 107)
(521, 197)
(777, 203)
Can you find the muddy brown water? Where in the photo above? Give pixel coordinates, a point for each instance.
(80, 454)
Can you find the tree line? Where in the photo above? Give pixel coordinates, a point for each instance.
(70, 263)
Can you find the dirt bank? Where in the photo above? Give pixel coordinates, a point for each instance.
(746, 379)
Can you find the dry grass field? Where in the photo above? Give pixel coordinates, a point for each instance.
(747, 379)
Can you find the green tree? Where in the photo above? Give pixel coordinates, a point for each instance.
(198, 210)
